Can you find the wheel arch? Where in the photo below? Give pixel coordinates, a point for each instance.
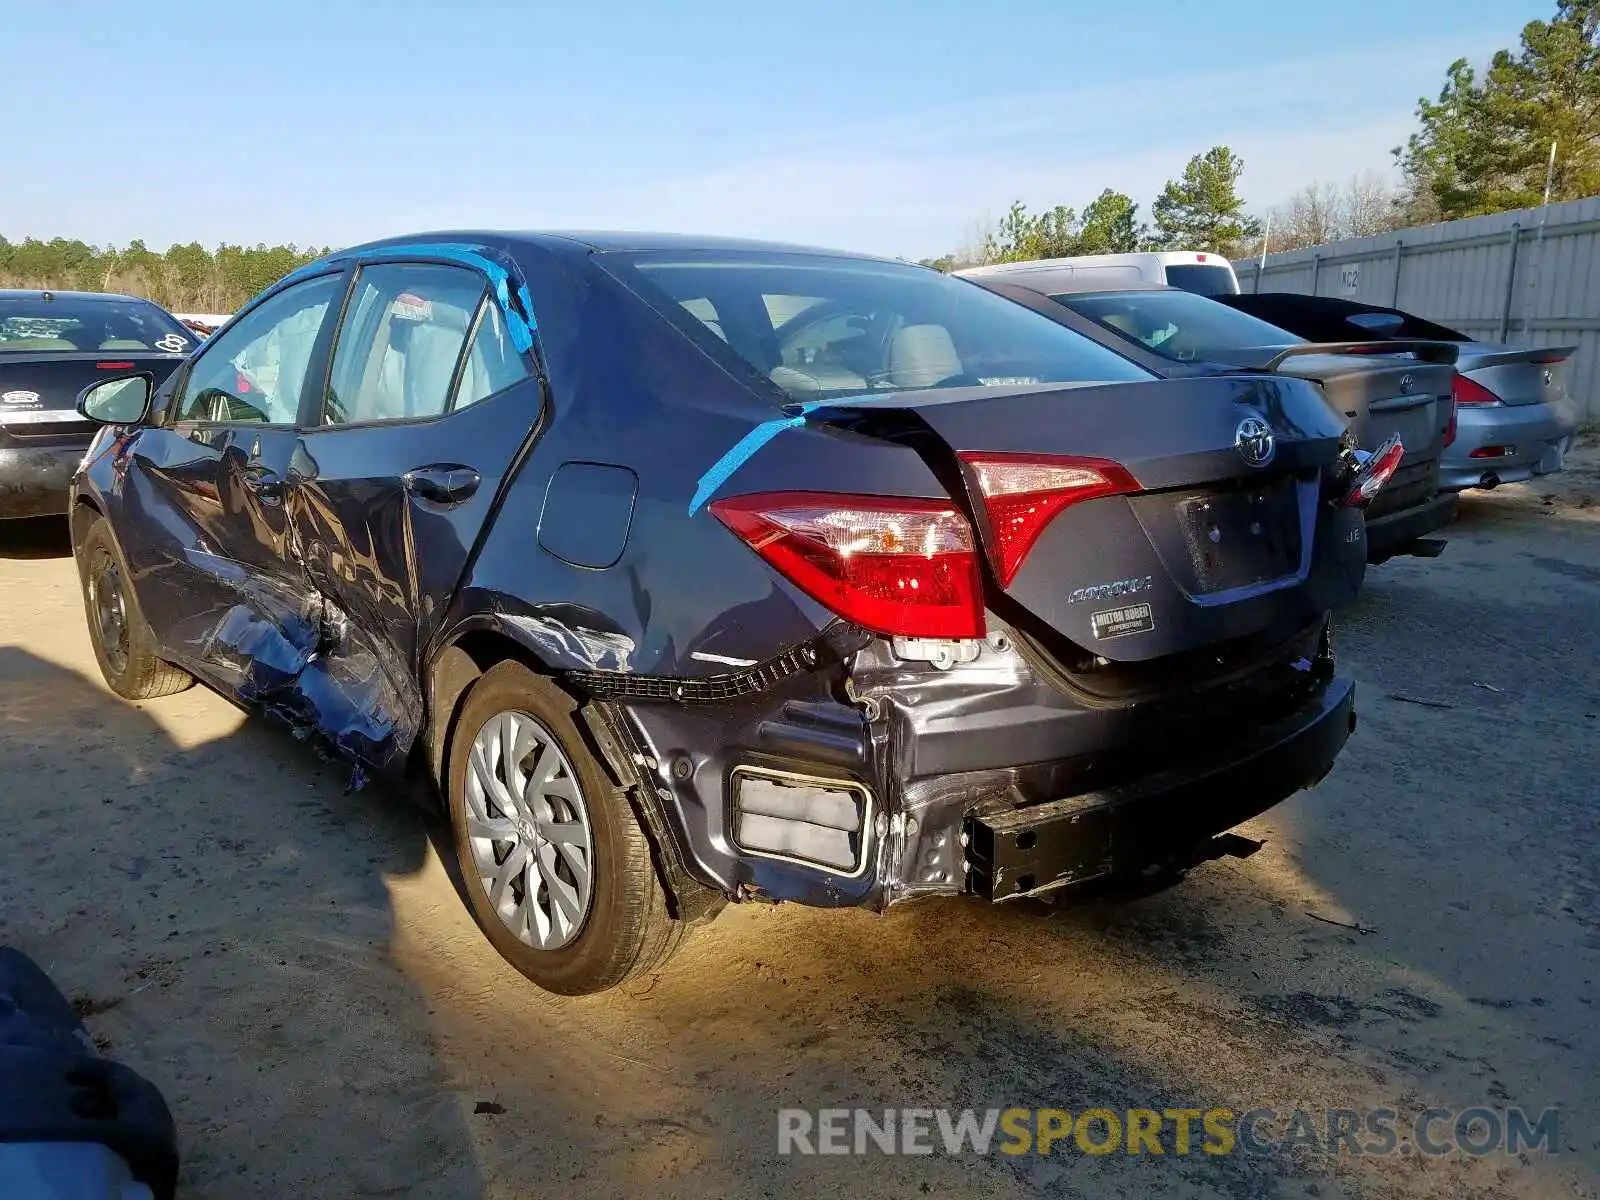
(84, 510)
(471, 649)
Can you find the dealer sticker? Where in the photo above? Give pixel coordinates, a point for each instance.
(1119, 622)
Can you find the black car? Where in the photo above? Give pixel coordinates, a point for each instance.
(52, 345)
(1382, 389)
(698, 571)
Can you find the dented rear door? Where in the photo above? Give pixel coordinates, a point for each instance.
(422, 414)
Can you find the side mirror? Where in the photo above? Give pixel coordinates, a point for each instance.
(124, 401)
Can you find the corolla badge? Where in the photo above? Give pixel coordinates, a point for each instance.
(1253, 441)
(19, 398)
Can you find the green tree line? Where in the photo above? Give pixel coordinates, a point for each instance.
(1484, 146)
(186, 278)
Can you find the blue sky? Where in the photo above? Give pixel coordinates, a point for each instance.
(892, 128)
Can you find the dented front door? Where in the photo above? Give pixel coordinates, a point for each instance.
(217, 582)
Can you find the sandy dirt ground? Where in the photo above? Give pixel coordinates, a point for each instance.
(292, 966)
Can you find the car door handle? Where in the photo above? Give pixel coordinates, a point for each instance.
(443, 483)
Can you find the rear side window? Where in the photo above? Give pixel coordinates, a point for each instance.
(1202, 280)
(492, 363)
(818, 326)
(403, 332)
(1176, 325)
(64, 324)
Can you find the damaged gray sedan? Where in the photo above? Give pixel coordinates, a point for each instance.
(694, 571)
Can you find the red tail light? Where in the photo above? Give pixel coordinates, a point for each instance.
(891, 564)
(1470, 391)
(113, 366)
(1374, 473)
(1023, 493)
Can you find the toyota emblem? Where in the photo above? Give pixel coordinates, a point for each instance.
(1253, 440)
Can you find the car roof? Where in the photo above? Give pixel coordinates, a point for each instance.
(40, 293)
(607, 241)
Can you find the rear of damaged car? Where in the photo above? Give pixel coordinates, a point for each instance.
(782, 575)
(978, 607)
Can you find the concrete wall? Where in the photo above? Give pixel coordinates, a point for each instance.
(1490, 277)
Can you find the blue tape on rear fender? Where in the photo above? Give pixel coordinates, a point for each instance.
(742, 450)
(518, 312)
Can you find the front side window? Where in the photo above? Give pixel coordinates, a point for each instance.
(254, 373)
(33, 324)
(402, 336)
(819, 326)
(1177, 325)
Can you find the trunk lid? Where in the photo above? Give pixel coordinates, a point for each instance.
(1394, 388)
(1519, 374)
(39, 392)
(1209, 548)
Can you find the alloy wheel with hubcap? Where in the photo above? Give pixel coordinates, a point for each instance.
(529, 831)
(554, 864)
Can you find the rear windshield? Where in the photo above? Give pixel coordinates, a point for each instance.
(1176, 325)
(34, 325)
(1203, 281)
(821, 327)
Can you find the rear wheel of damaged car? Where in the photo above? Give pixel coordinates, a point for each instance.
(556, 869)
(124, 645)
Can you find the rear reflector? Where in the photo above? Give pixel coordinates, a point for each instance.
(892, 564)
(114, 366)
(1470, 391)
(1023, 493)
(1374, 473)
(1492, 452)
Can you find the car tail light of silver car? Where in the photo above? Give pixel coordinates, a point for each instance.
(1374, 472)
(1471, 392)
(892, 564)
(1023, 493)
(821, 822)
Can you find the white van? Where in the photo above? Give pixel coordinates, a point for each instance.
(1192, 270)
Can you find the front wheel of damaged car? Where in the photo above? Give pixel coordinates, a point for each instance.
(555, 867)
(124, 646)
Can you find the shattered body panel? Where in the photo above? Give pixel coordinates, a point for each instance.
(353, 606)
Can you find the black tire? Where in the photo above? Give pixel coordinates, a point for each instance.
(127, 657)
(627, 928)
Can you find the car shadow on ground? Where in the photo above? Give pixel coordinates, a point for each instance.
(35, 537)
(219, 912)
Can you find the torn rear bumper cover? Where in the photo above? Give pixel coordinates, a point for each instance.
(881, 780)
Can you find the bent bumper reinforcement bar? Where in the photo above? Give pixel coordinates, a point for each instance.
(1165, 818)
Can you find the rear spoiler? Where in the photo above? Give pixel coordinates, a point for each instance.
(1520, 354)
(1270, 358)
